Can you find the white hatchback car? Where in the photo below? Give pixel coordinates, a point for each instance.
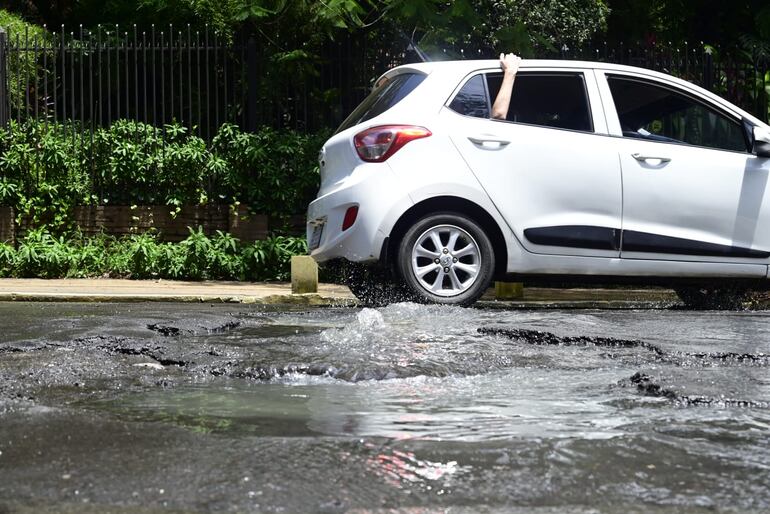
(600, 171)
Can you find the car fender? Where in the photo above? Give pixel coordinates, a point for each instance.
(463, 192)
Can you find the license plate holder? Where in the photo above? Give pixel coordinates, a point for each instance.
(315, 237)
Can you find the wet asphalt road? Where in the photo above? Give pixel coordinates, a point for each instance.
(200, 408)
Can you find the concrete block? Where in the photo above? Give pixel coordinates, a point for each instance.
(304, 274)
(509, 290)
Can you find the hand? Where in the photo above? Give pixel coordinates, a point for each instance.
(510, 63)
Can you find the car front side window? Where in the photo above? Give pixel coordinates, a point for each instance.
(657, 113)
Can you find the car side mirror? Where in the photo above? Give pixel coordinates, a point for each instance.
(758, 138)
(761, 146)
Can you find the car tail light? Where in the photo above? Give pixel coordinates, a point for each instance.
(350, 217)
(377, 144)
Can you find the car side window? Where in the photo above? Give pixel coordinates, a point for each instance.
(557, 100)
(657, 113)
(472, 99)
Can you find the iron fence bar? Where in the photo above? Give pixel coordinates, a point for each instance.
(189, 81)
(154, 80)
(225, 86)
(198, 82)
(82, 87)
(118, 82)
(26, 70)
(171, 69)
(162, 83)
(251, 84)
(36, 76)
(46, 49)
(243, 78)
(208, 85)
(4, 100)
(91, 107)
(144, 75)
(109, 82)
(136, 78)
(18, 80)
(72, 89)
(127, 88)
(216, 82)
(181, 82)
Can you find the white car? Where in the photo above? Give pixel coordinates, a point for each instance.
(600, 171)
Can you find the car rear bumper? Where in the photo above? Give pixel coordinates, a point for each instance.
(373, 189)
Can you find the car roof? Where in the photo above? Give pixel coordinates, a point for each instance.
(464, 67)
(475, 64)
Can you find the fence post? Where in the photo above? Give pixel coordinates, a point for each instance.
(708, 69)
(252, 80)
(4, 101)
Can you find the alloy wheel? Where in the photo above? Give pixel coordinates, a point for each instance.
(446, 260)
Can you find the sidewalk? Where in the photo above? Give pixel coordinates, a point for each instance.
(118, 290)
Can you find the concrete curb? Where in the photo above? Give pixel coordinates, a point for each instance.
(310, 299)
(328, 295)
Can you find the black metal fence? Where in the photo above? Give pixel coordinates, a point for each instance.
(199, 80)
(171, 75)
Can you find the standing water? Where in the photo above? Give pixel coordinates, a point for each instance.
(431, 407)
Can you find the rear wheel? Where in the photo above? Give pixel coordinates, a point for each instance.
(446, 258)
(712, 298)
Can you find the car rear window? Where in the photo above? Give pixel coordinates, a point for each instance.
(383, 97)
(472, 99)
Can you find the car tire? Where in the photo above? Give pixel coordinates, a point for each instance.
(446, 258)
(712, 298)
(375, 287)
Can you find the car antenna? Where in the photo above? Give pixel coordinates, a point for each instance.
(413, 46)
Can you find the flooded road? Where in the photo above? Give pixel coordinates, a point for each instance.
(199, 408)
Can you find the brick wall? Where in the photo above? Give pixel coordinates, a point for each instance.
(120, 220)
(7, 226)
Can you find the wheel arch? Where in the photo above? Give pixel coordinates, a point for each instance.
(452, 204)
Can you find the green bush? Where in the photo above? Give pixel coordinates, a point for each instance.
(7, 256)
(42, 255)
(272, 256)
(89, 256)
(198, 257)
(22, 66)
(275, 172)
(47, 170)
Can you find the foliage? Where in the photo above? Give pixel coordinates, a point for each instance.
(46, 170)
(198, 257)
(483, 27)
(7, 256)
(42, 255)
(713, 22)
(273, 253)
(275, 172)
(21, 66)
(41, 174)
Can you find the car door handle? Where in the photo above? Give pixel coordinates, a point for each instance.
(644, 158)
(487, 139)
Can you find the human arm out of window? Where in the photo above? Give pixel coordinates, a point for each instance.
(510, 64)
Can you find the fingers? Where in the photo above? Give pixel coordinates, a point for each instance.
(510, 62)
